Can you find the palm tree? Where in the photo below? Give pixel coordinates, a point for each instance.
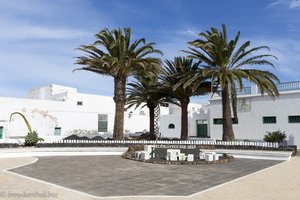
(119, 57)
(228, 65)
(175, 74)
(145, 91)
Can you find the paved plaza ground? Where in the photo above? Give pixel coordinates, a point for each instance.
(114, 176)
(281, 181)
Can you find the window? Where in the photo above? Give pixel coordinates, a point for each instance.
(235, 120)
(171, 126)
(79, 103)
(218, 121)
(269, 120)
(102, 123)
(201, 121)
(164, 104)
(57, 131)
(294, 119)
(142, 113)
(1, 132)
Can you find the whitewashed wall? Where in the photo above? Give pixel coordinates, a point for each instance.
(250, 122)
(196, 112)
(136, 123)
(45, 115)
(201, 114)
(165, 120)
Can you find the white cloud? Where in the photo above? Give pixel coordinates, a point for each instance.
(21, 7)
(295, 4)
(287, 51)
(290, 4)
(18, 30)
(37, 46)
(172, 48)
(173, 43)
(293, 28)
(30, 71)
(189, 32)
(34, 19)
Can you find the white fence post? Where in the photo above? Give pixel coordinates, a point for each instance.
(179, 142)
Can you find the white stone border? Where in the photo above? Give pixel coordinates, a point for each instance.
(62, 151)
(42, 154)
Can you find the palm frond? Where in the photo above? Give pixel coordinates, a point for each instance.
(24, 118)
(117, 56)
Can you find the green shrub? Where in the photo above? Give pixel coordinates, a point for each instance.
(32, 138)
(275, 136)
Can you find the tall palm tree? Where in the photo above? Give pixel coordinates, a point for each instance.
(227, 65)
(145, 92)
(119, 57)
(175, 74)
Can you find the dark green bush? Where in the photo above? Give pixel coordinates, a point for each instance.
(32, 138)
(275, 136)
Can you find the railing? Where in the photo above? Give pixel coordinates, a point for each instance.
(175, 142)
(245, 90)
(288, 86)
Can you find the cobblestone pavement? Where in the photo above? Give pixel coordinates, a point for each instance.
(115, 176)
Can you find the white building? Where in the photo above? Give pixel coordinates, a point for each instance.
(58, 111)
(258, 114)
(170, 123)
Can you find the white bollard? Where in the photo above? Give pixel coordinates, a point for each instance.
(209, 157)
(148, 149)
(182, 157)
(201, 155)
(145, 155)
(174, 153)
(138, 155)
(216, 157)
(190, 157)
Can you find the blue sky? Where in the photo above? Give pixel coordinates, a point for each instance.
(38, 38)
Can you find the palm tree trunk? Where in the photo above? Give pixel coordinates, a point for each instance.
(184, 119)
(151, 107)
(227, 121)
(119, 98)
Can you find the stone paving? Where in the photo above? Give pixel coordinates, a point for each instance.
(115, 176)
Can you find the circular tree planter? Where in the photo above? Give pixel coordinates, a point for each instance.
(130, 154)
